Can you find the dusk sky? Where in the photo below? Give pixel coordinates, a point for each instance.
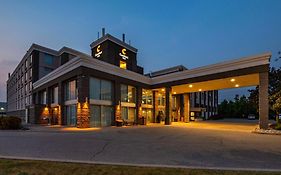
(166, 33)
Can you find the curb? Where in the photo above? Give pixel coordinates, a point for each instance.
(141, 165)
(267, 131)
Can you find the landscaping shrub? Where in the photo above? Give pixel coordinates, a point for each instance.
(10, 123)
(278, 127)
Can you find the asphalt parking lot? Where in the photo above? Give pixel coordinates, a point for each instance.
(228, 144)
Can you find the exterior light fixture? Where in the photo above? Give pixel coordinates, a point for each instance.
(200, 90)
(175, 93)
(237, 85)
(163, 90)
(190, 85)
(232, 80)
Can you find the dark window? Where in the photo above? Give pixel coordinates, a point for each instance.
(47, 70)
(48, 59)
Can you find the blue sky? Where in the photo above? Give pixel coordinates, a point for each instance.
(167, 33)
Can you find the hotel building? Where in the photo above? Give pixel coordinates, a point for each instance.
(67, 87)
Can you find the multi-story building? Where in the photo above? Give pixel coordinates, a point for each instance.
(36, 63)
(67, 87)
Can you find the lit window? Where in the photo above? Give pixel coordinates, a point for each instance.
(123, 65)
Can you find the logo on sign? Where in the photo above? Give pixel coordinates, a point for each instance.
(123, 54)
(98, 52)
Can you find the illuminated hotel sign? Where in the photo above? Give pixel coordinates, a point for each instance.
(98, 52)
(123, 54)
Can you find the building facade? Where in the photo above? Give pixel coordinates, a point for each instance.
(67, 87)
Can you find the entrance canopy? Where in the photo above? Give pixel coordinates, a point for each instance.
(243, 72)
(218, 84)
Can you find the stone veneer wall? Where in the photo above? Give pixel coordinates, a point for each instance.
(83, 115)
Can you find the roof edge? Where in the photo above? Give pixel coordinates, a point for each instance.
(113, 39)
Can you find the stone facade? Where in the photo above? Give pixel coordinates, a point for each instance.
(263, 100)
(83, 115)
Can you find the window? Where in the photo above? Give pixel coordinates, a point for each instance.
(70, 90)
(128, 93)
(55, 94)
(48, 59)
(26, 76)
(106, 90)
(70, 112)
(26, 88)
(100, 89)
(128, 113)
(31, 59)
(30, 99)
(123, 64)
(147, 97)
(44, 97)
(30, 86)
(47, 70)
(161, 99)
(26, 63)
(30, 73)
(27, 100)
(101, 116)
(95, 90)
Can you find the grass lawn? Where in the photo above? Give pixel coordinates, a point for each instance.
(30, 167)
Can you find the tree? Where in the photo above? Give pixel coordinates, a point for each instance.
(239, 108)
(276, 107)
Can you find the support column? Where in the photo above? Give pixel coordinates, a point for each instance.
(155, 105)
(117, 102)
(263, 100)
(61, 116)
(168, 107)
(138, 106)
(83, 111)
(186, 107)
(181, 107)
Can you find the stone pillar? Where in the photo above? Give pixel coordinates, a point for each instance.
(168, 107)
(138, 105)
(83, 115)
(186, 107)
(83, 111)
(263, 100)
(155, 105)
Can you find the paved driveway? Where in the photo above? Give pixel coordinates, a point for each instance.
(207, 144)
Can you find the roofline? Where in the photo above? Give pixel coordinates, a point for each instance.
(30, 50)
(168, 70)
(113, 39)
(230, 65)
(47, 50)
(87, 61)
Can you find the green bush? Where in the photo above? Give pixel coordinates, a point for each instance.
(278, 126)
(10, 123)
